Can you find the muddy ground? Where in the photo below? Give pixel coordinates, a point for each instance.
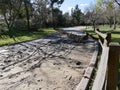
(54, 62)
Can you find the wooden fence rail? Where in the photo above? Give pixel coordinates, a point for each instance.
(101, 73)
(107, 73)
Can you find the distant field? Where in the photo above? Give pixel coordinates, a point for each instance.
(25, 35)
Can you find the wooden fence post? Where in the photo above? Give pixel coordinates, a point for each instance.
(113, 62)
(102, 68)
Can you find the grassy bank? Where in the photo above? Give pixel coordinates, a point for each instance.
(20, 36)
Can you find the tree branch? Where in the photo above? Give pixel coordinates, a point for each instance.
(117, 2)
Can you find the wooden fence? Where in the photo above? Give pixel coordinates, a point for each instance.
(107, 74)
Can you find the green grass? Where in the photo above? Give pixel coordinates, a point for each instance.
(24, 36)
(105, 29)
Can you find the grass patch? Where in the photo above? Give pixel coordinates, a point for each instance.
(24, 36)
(104, 29)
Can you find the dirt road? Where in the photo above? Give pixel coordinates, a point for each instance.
(54, 62)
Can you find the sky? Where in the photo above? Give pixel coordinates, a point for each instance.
(69, 4)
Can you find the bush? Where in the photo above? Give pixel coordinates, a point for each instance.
(20, 24)
(3, 28)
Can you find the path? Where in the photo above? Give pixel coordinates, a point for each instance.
(75, 30)
(54, 62)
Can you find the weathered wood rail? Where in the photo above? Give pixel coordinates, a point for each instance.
(107, 74)
(102, 68)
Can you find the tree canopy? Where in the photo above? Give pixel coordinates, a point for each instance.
(34, 14)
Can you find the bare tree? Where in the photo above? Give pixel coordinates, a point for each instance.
(93, 15)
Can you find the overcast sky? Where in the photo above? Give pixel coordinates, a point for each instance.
(69, 4)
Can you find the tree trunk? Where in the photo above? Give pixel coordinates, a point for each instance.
(110, 23)
(8, 26)
(114, 20)
(52, 15)
(27, 16)
(94, 25)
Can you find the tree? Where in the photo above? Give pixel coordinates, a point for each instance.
(110, 12)
(28, 6)
(58, 17)
(93, 15)
(118, 15)
(10, 10)
(52, 2)
(104, 11)
(41, 13)
(67, 20)
(77, 16)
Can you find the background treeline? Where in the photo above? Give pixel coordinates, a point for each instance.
(34, 14)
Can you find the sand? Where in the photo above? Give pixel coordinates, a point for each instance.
(54, 62)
